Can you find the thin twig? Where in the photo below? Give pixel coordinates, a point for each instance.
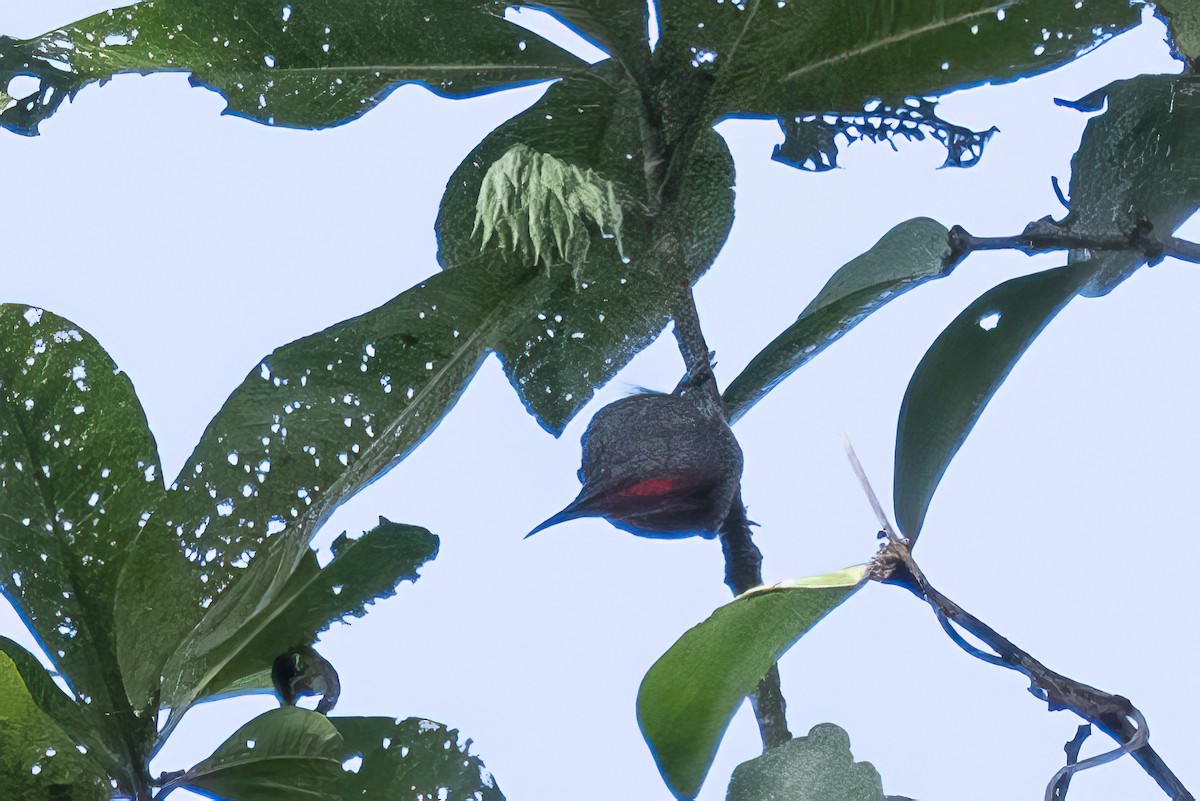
(1045, 236)
(1060, 783)
(1115, 715)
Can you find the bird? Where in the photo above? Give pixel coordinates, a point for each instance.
(301, 671)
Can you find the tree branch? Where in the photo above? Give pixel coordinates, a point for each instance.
(1045, 236)
(1115, 715)
(1062, 780)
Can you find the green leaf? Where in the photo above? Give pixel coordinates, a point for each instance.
(281, 755)
(230, 646)
(78, 472)
(1138, 162)
(688, 697)
(571, 327)
(315, 422)
(39, 759)
(620, 27)
(410, 760)
(1183, 20)
(818, 767)
(960, 373)
(788, 58)
(905, 257)
(305, 63)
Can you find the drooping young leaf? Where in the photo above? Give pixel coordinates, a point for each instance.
(286, 754)
(1138, 163)
(410, 760)
(573, 325)
(960, 373)
(227, 648)
(779, 58)
(620, 27)
(303, 63)
(1183, 20)
(688, 697)
(907, 256)
(39, 759)
(315, 422)
(818, 767)
(78, 471)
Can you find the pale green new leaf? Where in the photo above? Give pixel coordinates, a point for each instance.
(818, 767)
(688, 697)
(907, 256)
(287, 754)
(303, 63)
(78, 471)
(960, 373)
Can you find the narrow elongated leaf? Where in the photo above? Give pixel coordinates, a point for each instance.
(228, 648)
(960, 373)
(1138, 163)
(410, 760)
(315, 422)
(573, 325)
(78, 471)
(779, 58)
(905, 257)
(287, 754)
(38, 758)
(818, 767)
(1183, 19)
(303, 63)
(688, 697)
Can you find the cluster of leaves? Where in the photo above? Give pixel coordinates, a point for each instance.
(630, 191)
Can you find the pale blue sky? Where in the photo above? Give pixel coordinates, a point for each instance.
(191, 244)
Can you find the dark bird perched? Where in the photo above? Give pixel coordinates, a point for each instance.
(658, 465)
(301, 671)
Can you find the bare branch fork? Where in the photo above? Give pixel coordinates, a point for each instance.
(1115, 715)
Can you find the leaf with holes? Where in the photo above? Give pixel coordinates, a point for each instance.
(78, 473)
(413, 758)
(960, 373)
(818, 767)
(38, 757)
(575, 323)
(315, 422)
(1138, 163)
(232, 645)
(287, 754)
(907, 256)
(309, 64)
(689, 696)
(620, 27)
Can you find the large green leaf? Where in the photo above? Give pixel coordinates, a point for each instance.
(410, 760)
(304, 63)
(818, 767)
(960, 373)
(907, 256)
(78, 473)
(1138, 162)
(790, 57)
(571, 327)
(39, 759)
(315, 422)
(688, 697)
(1183, 18)
(229, 647)
(287, 754)
(618, 26)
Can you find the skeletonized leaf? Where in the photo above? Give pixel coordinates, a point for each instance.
(315, 422)
(688, 697)
(818, 767)
(78, 470)
(1138, 163)
(287, 754)
(305, 63)
(39, 759)
(361, 571)
(410, 760)
(960, 373)
(905, 257)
